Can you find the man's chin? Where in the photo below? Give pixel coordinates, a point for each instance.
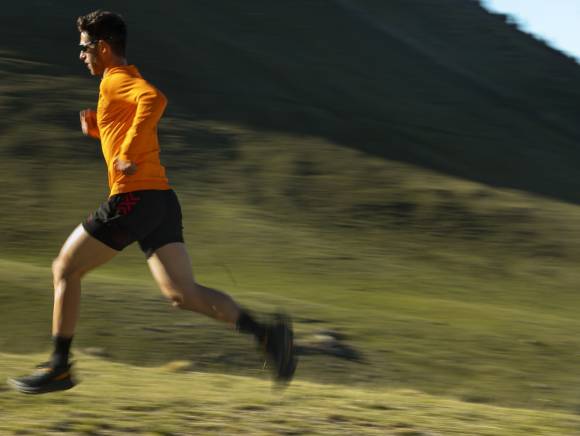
(95, 72)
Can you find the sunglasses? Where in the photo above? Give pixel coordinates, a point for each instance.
(85, 47)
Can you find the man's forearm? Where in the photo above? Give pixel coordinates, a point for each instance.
(150, 107)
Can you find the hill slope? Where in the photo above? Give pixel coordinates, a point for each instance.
(352, 161)
(449, 87)
(171, 402)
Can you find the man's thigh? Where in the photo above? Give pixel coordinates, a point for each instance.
(81, 252)
(171, 268)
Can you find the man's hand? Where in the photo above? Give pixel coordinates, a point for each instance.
(89, 123)
(127, 167)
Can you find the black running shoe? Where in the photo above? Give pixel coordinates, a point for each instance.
(45, 379)
(278, 344)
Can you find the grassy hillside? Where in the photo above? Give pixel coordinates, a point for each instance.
(172, 402)
(399, 177)
(449, 87)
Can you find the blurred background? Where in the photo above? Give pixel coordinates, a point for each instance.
(400, 176)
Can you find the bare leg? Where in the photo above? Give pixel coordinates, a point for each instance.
(79, 254)
(171, 268)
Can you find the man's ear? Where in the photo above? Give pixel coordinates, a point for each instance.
(104, 47)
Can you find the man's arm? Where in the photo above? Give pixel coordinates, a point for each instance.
(150, 106)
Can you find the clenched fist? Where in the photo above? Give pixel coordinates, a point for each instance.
(89, 123)
(127, 167)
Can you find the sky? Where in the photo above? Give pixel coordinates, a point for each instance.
(556, 21)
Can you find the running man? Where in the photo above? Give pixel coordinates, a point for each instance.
(142, 207)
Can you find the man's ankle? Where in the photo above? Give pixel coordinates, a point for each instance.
(61, 353)
(247, 324)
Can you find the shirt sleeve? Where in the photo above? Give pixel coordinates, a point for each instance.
(150, 104)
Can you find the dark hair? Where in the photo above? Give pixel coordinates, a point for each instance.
(106, 26)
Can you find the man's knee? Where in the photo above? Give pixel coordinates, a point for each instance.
(63, 269)
(188, 299)
(176, 300)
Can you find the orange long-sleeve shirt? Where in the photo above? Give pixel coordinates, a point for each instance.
(127, 115)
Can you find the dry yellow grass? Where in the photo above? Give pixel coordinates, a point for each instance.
(121, 399)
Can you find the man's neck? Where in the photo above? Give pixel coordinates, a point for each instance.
(117, 62)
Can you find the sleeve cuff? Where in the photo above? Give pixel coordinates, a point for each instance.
(125, 157)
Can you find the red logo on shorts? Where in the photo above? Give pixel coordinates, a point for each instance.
(126, 204)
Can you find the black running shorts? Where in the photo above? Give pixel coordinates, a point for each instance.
(153, 218)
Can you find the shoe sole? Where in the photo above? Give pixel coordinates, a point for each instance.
(60, 385)
(286, 369)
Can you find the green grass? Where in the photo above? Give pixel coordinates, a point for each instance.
(421, 204)
(162, 401)
(466, 292)
(420, 320)
(443, 286)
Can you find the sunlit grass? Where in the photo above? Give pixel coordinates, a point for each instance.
(459, 300)
(120, 399)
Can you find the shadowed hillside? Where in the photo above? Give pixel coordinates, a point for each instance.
(444, 85)
(399, 175)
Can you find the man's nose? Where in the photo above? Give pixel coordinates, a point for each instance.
(82, 56)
